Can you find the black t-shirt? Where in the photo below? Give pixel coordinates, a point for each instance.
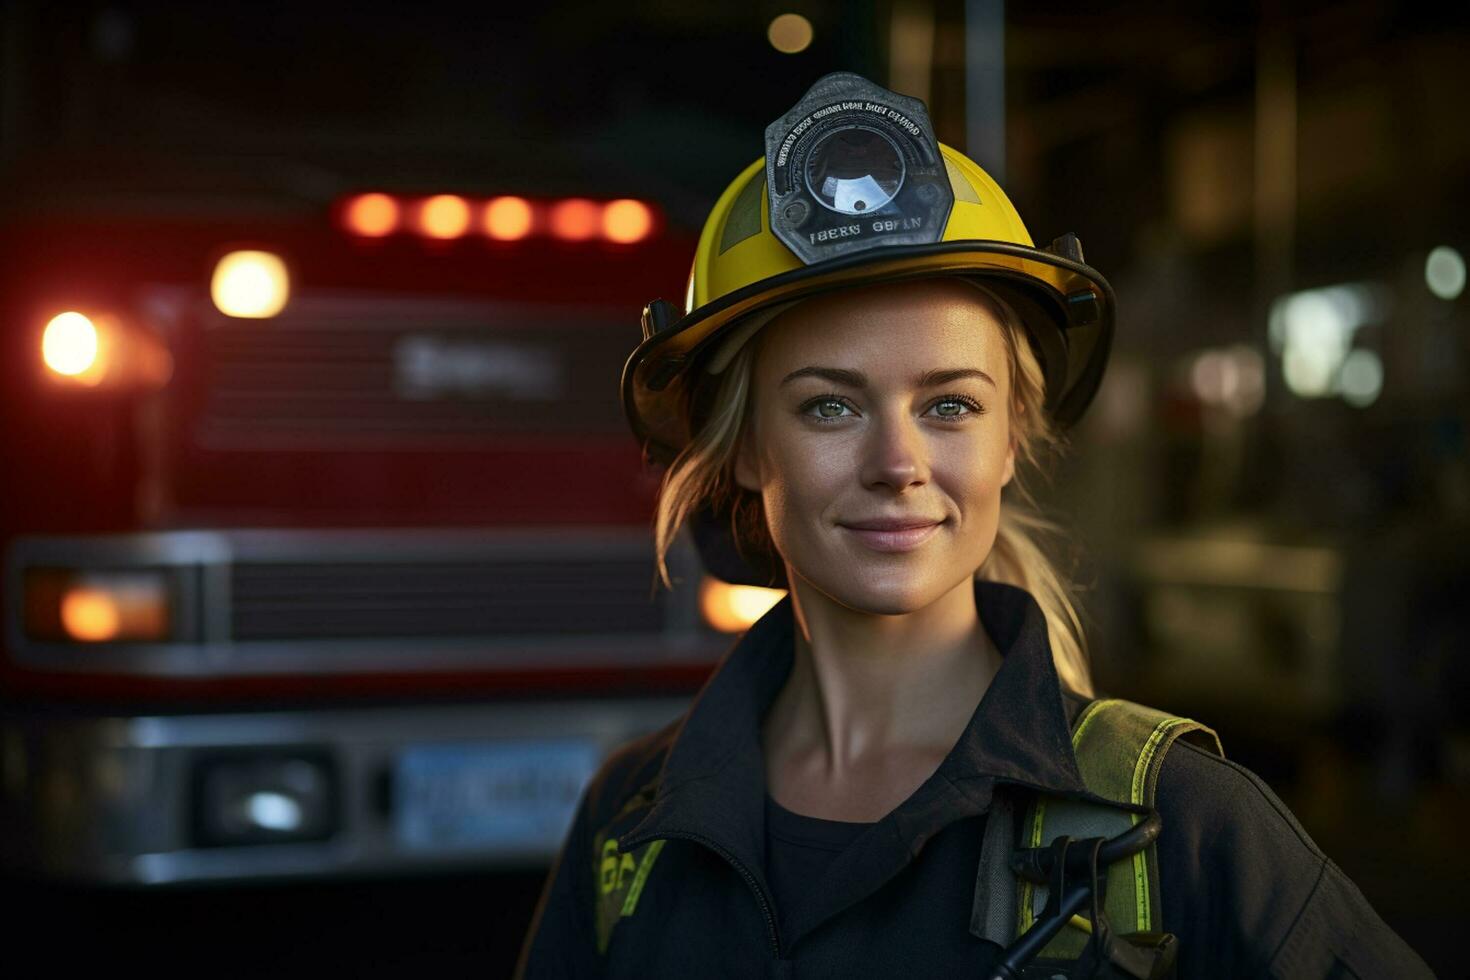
(800, 848)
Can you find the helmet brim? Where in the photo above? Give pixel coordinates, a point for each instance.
(1067, 307)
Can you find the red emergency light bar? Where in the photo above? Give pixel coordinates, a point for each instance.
(448, 217)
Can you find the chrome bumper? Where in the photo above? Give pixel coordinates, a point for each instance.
(116, 800)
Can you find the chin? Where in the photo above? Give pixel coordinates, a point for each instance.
(878, 592)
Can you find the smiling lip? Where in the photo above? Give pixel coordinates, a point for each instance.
(893, 534)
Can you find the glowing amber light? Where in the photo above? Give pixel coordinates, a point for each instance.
(626, 221)
(733, 608)
(372, 215)
(576, 220)
(508, 219)
(250, 284)
(69, 344)
(103, 607)
(790, 33)
(444, 216)
(90, 615)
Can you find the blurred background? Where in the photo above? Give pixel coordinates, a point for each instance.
(327, 566)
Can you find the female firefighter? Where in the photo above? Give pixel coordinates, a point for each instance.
(902, 768)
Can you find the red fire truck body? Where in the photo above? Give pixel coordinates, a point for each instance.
(364, 585)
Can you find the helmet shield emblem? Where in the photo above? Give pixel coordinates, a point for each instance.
(854, 166)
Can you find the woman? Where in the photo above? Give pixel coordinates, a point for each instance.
(862, 367)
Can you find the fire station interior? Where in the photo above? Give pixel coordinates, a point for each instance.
(327, 558)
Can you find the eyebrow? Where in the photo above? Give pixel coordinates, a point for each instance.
(856, 379)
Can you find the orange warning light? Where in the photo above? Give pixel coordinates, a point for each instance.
(508, 219)
(372, 215)
(444, 216)
(576, 219)
(626, 221)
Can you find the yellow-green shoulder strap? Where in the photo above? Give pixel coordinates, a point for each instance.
(1120, 749)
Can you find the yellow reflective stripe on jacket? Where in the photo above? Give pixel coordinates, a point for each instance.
(1032, 839)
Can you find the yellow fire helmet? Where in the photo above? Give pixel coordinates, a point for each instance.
(854, 189)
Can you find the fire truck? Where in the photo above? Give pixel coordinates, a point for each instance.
(326, 547)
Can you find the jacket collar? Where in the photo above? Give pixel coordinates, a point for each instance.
(1019, 731)
(712, 787)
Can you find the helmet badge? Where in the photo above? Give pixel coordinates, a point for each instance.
(854, 166)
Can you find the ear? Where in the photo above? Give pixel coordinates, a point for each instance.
(1010, 464)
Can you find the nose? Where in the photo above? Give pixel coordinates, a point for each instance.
(895, 454)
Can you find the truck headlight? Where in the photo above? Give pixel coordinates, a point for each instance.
(251, 284)
(275, 796)
(72, 347)
(99, 349)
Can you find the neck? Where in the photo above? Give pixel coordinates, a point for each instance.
(868, 689)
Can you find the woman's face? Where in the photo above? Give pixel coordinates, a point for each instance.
(879, 440)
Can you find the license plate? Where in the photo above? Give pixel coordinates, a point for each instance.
(514, 797)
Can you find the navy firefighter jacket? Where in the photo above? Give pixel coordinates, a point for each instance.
(663, 873)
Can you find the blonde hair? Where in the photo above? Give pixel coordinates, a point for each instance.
(701, 475)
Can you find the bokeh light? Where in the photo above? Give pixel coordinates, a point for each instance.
(1361, 379)
(90, 614)
(250, 284)
(576, 219)
(790, 33)
(508, 219)
(444, 216)
(626, 221)
(1444, 272)
(733, 608)
(69, 344)
(1314, 332)
(372, 215)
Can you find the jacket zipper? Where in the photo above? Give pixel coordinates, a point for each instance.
(734, 863)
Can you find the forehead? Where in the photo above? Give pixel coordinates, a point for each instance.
(887, 328)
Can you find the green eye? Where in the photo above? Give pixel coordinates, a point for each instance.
(827, 408)
(956, 407)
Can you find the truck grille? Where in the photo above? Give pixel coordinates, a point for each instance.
(280, 601)
(284, 601)
(394, 370)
